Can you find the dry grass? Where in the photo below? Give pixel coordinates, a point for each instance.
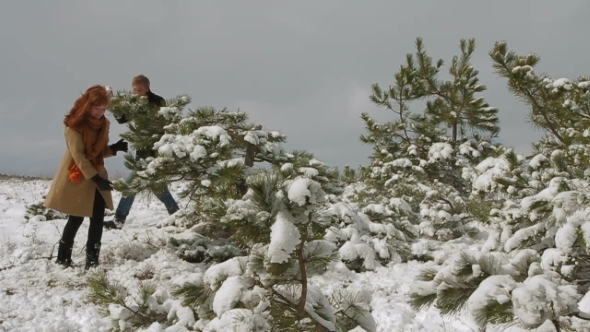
(4, 177)
(23, 177)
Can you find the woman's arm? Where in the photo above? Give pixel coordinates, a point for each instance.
(107, 151)
(76, 148)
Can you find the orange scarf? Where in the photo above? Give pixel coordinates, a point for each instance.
(94, 136)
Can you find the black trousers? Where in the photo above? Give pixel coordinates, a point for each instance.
(95, 229)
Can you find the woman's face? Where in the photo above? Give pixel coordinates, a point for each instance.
(97, 112)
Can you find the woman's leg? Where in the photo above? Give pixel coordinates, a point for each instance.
(95, 231)
(66, 243)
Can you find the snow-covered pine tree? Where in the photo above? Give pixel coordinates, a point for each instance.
(40, 212)
(282, 218)
(534, 269)
(374, 235)
(204, 149)
(147, 122)
(420, 156)
(349, 176)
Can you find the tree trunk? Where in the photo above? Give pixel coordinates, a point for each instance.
(251, 151)
(303, 272)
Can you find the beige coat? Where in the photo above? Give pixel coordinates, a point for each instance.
(77, 199)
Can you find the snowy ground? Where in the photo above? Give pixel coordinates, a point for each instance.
(36, 295)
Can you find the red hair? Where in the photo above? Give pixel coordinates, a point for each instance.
(96, 95)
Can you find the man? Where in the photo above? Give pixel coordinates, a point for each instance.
(141, 86)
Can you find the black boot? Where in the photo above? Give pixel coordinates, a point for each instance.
(92, 255)
(113, 224)
(64, 254)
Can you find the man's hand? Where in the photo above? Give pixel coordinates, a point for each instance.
(109, 90)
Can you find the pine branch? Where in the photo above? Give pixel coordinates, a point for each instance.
(581, 315)
(427, 274)
(193, 294)
(302, 271)
(420, 302)
(104, 293)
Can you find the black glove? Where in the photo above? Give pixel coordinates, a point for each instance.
(121, 145)
(102, 183)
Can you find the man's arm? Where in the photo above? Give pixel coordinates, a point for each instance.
(121, 119)
(160, 101)
(110, 150)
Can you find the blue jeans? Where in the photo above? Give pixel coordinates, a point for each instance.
(126, 202)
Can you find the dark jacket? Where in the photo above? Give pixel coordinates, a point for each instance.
(153, 101)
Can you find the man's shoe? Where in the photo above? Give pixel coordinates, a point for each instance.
(113, 224)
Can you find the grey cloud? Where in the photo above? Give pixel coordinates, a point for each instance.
(301, 67)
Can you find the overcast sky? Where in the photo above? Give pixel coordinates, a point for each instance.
(302, 67)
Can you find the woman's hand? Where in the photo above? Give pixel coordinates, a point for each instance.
(121, 145)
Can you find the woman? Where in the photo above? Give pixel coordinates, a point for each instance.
(80, 187)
